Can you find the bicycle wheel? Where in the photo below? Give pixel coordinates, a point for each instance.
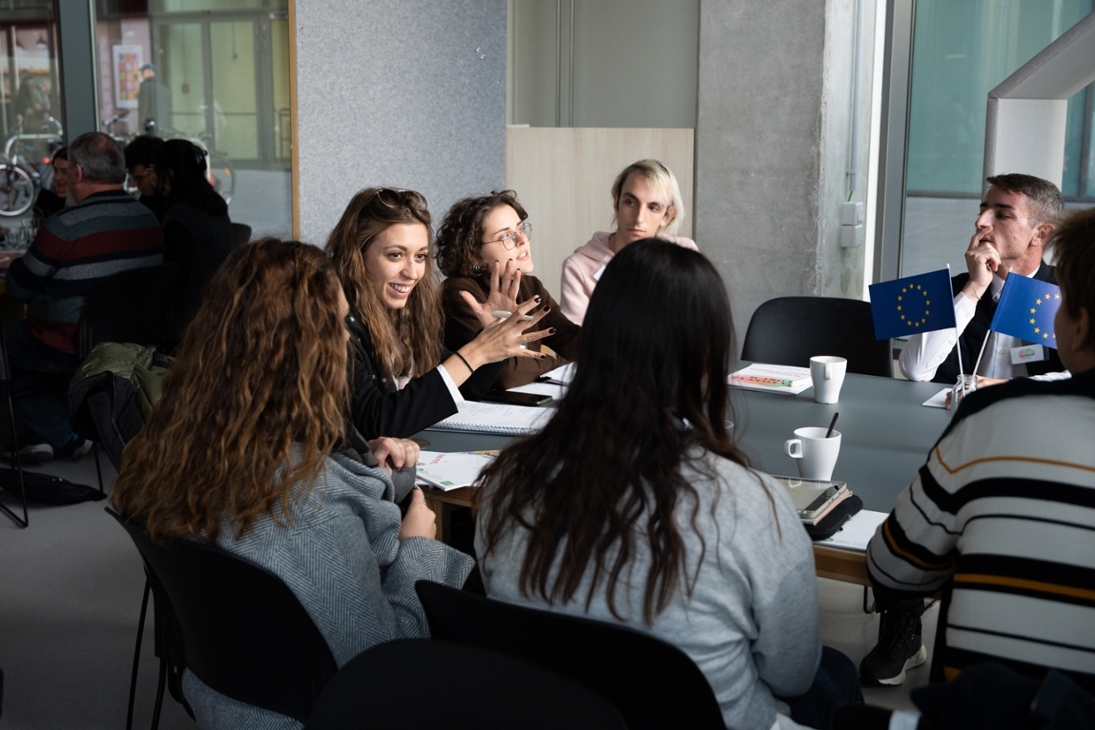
(17, 190)
(224, 177)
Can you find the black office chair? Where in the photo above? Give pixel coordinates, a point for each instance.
(791, 330)
(651, 682)
(421, 683)
(241, 234)
(241, 631)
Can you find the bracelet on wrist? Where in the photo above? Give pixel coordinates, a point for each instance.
(465, 361)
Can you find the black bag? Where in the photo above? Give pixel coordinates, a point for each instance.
(832, 522)
(48, 489)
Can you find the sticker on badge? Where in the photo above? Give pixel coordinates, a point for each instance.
(1027, 353)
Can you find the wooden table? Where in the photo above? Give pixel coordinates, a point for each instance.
(886, 436)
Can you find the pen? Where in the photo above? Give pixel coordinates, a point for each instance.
(500, 314)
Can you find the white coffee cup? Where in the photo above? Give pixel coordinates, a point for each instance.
(827, 372)
(816, 454)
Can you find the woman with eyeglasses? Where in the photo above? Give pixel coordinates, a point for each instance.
(483, 248)
(403, 379)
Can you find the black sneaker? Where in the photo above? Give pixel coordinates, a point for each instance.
(899, 649)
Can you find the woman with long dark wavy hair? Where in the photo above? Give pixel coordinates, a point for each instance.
(197, 231)
(249, 448)
(403, 380)
(484, 247)
(634, 505)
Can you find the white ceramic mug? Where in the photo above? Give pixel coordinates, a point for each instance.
(828, 375)
(816, 455)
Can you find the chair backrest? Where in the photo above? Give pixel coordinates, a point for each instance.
(244, 633)
(130, 306)
(651, 682)
(791, 330)
(466, 687)
(241, 234)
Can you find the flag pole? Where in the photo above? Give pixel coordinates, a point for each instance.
(957, 339)
(977, 365)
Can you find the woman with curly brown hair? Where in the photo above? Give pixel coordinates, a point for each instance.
(403, 381)
(249, 448)
(483, 248)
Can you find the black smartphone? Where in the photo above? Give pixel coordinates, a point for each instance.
(517, 399)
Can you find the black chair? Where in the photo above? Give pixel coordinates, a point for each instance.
(651, 682)
(5, 382)
(241, 631)
(791, 330)
(130, 306)
(465, 688)
(241, 234)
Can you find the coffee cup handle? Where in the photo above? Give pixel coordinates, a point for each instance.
(790, 450)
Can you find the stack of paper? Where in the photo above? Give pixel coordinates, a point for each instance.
(772, 378)
(450, 471)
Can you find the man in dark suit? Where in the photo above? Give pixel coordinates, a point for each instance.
(1018, 215)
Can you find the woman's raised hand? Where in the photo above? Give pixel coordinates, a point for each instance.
(502, 297)
(504, 338)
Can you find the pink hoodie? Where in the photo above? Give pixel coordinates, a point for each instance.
(583, 268)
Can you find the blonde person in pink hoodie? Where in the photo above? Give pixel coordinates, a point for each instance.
(646, 201)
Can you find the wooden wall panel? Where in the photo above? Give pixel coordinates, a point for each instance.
(563, 176)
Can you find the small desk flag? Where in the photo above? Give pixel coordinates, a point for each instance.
(921, 303)
(1026, 310)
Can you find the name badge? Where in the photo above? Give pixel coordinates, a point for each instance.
(597, 274)
(1027, 353)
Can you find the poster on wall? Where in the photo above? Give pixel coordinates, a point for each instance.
(127, 75)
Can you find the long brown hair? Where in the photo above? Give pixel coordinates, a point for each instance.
(402, 338)
(261, 367)
(602, 482)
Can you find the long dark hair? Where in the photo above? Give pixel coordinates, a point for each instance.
(184, 165)
(605, 473)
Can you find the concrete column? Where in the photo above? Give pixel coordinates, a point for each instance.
(772, 138)
(406, 93)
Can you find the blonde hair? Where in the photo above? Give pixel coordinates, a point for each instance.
(259, 387)
(402, 338)
(663, 179)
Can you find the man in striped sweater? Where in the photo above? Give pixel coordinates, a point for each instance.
(1002, 516)
(103, 231)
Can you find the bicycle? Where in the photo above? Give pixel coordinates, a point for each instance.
(19, 165)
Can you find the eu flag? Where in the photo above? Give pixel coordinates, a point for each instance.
(1026, 310)
(921, 303)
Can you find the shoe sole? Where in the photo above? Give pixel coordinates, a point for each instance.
(912, 662)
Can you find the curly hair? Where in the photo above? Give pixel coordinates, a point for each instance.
(402, 338)
(602, 481)
(461, 233)
(254, 403)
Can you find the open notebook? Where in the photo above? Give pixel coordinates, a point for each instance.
(495, 418)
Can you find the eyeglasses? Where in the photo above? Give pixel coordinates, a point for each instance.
(509, 240)
(393, 198)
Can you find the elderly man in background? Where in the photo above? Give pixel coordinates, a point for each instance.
(103, 232)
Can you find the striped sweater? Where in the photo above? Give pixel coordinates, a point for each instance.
(74, 250)
(1002, 516)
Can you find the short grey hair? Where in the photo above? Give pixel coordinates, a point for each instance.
(100, 157)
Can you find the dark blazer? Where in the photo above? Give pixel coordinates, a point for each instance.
(378, 409)
(978, 329)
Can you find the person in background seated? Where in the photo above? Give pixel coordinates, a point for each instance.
(105, 231)
(483, 245)
(249, 448)
(51, 200)
(403, 380)
(140, 163)
(1017, 218)
(197, 232)
(1002, 515)
(646, 203)
(634, 505)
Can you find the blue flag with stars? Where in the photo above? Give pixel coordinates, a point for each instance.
(1026, 310)
(921, 303)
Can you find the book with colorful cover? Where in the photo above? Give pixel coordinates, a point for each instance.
(785, 379)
